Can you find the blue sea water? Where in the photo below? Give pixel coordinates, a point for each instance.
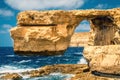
(10, 62)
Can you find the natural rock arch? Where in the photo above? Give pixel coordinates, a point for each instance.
(38, 30)
(49, 33)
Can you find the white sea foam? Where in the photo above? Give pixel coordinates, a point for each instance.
(55, 73)
(82, 61)
(13, 69)
(37, 61)
(53, 76)
(24, 61)
(78, 53)
(10, 55)
(68, 76)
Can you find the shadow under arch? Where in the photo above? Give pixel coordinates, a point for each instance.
(103, 29)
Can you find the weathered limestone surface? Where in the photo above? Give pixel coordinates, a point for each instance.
(79, 39)
(52, 17)
(105, 59)
(41, 40)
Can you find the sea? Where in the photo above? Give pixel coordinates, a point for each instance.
(13, 63)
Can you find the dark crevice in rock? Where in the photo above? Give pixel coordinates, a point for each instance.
(40, 25)
(100, 20)
(42, 53)
(106, 74)
(115, 41)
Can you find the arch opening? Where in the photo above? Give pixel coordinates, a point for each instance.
(84, 26)
(81, 34)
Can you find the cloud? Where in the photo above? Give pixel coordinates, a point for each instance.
(6, 12)
(83, 26)
(44, 4)
(101, 6)
(5, 28)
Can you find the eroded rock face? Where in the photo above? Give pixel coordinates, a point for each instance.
(104, 30)
(49, 32)
(104, 59)
(42, 40)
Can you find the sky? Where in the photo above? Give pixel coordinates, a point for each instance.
(10, 8)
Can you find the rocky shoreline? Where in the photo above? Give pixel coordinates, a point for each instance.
(81, 72)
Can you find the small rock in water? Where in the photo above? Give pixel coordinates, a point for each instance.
(13, 76)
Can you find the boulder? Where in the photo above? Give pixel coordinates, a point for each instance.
(12, 76)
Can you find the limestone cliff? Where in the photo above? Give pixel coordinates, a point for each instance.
(79, 39)
(42, 40)
(51, 31)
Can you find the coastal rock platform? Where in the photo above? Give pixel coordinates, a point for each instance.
(80, 72)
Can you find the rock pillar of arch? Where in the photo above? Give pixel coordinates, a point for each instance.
(103, 50)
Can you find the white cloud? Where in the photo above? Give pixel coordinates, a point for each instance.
(5, 28)
(101, 6)
(83, 26)
(6, 12)
(44, 4)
